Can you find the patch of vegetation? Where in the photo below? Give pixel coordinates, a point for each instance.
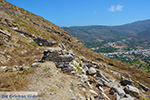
(9, 30)
(15, 21)
(2, 46)
(1, 28)
(79, 69)
(12, 82)
(19, 41)
(34, 44)
(27, 70)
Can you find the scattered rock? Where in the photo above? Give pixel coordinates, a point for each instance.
(3, 68)
(5, 37)
(66, 69)
(100, 88)
(82, 83)
(44, 42)
(115, 73)
(84, 89)
(35, 65)
(75, 63)
(117, 96)
(15, 68)
(85, 77)
(127, 97)
(67, 58)
(73, 67)
(98, 98)
(85, 68)
(62, 46)
(117, 89)
(91, 71)
(130, 89)
(26, 67)
(15, 28)
(145, 88)
(89, 85)
(99, 74)
(125, 81)
(105, 95)
(93, 92)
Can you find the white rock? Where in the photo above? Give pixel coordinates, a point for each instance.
(132, 89)
(84, 89)
(105, 96)
(117, 96)
(15, 28)
(74, 68)
(75, 63)
(89, 85)
(35, 65)
(85, 68)
(85, 77)
(92, 71)
(3, 68)
(93, 92)
(100, 88)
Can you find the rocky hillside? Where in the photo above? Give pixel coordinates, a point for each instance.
(36, 55)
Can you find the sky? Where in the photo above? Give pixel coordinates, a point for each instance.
(87, 12)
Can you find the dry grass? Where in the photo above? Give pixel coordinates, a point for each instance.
(13, 81)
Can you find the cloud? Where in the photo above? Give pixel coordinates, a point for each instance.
(114, 8)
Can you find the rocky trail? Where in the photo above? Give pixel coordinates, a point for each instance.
(51, 84)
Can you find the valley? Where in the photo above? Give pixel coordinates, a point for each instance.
(116, 42)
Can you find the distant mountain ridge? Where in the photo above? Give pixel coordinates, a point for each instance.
(108, 33)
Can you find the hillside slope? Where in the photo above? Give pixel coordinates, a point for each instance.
(108, 33)
(36, 55)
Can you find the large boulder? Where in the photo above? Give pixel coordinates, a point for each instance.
(130, 89)
(145, 88)
(67, 69)
(91, 71)
(117, 96)
(67, 58)
(125, 81)
(99, 74)
(117, 89)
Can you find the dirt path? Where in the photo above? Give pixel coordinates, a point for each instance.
(52, 84)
